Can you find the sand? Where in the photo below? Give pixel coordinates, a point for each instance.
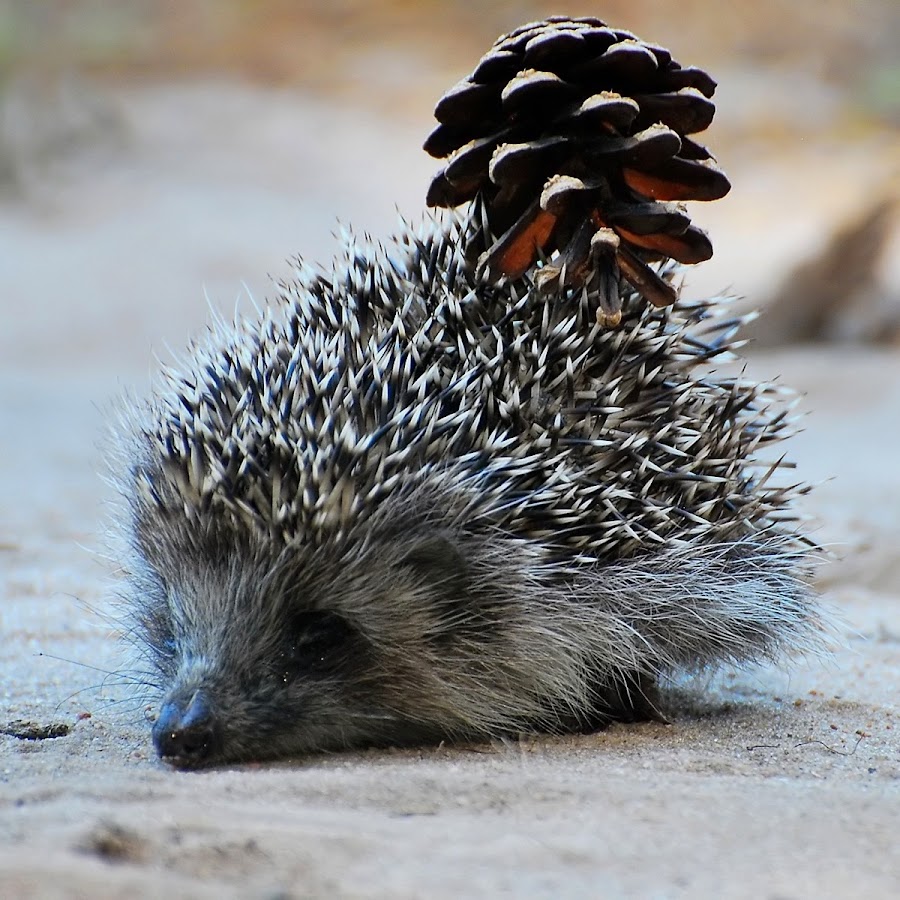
(769, 783)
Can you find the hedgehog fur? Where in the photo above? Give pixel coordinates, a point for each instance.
(409, 506)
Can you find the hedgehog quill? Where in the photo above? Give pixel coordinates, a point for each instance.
(484, 480)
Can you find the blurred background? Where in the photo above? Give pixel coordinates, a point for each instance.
(152, 151)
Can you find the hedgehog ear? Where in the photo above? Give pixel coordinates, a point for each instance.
(437, 561)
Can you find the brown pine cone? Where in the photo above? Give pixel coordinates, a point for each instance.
(575, 136)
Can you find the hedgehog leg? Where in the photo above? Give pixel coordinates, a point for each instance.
(634, 697)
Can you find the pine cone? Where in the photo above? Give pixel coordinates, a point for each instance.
(575, 137)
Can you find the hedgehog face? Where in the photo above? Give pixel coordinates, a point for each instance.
(248, 668)
(250, 698)
(306, 692)
(263, 654)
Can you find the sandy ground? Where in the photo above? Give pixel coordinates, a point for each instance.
(767, 784)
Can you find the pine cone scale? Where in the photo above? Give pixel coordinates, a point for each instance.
(563, 190)
(468, 100)
(530, 92)
(693, 246)
(686, 111)
(444, 139)
(525, 162)
(514, 252)
(607, 108)
(471, 161)
(651, 287)
(690, 77)
(622, 64)
(649, 218)
(648, 148)
(557, 48)
(690, 149)
(679, 179)
(496, 65)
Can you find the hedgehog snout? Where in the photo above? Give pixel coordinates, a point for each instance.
(186, 734)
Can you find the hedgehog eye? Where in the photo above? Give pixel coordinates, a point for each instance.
(317, 643)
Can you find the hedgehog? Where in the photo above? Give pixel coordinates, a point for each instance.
(410, 503)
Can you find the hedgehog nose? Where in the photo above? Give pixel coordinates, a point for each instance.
(185, 732)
